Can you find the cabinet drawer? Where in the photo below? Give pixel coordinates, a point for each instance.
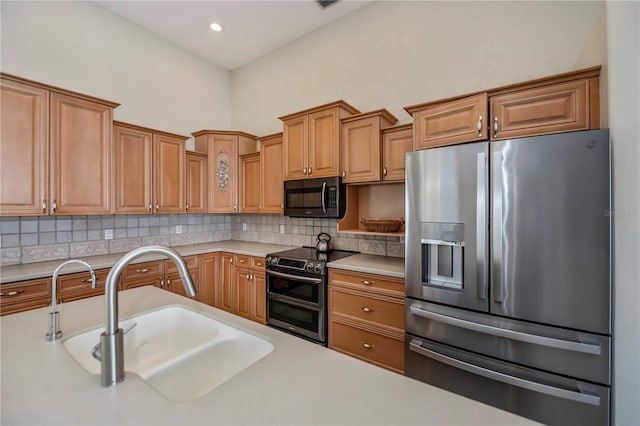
(556, 108)
(141, 270)
(25, 290)
(242, 260)
(156, 281)
(81, 281)
(369, 307)
(367, 345)
(24, 305)
(190, 261)
(257, 263)
(374, 283)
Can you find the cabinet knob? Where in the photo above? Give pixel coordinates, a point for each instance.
(310, 171)
(157, 206)
(368, 346)
(187, 207)
(365, 309)
(161, 283)
(235, 207)
(479, 126)
(304, 170)
(149, 207)
(367, 282)
(384, 172)
(344, 174)
(44, 206)
(54, 206)
(495, 127)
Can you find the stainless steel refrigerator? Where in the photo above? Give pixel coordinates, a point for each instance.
(508, 274)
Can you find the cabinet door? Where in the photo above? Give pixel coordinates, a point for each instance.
(259, 297)
(243, 292)
(324, 144)
(24, 295)
(557, 108)
(169, 174)
(394, 147)
(271, 181)
(174, 283)
(223, 167)
(196, 183)
(81, 156)
(361, 150)
(250, 183)
(225, 296)
(133, 158)
(24, 149)
(208, 280)
(451, 122)
(295, 134)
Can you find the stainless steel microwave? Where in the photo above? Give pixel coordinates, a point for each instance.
(321, 197)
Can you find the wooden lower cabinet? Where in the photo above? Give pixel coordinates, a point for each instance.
(24, 295)
(208, 277)
(242, 286)
(78, 286)
(366, 317)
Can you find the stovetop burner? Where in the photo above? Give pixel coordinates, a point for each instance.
(310, 253)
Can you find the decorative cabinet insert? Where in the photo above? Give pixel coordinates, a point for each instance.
(242, 286)
(55, 150)
(562, 103)
(366, 317)
(361, 152)
(311, 141)
(223, 149)
(150, 170)
(196, 182)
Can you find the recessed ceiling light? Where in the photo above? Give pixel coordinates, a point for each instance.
(217, 27)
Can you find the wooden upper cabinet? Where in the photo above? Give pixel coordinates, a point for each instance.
(396, 142)
(24, 149)
(295, 150)
(169, 158)
(311, 141)
(271, 177)
(150, 170)
(223, 149)
(250, 183)
(450, 122)
(196, 182)
(361, 151)
(556, 108)
(134, 170)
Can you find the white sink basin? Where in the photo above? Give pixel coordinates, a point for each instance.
(180, 353)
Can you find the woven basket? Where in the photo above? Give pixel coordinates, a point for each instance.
(382, 225)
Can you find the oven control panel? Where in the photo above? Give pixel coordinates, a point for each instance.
(310, 267)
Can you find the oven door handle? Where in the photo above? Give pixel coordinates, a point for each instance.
(294, 277)
(416, 346)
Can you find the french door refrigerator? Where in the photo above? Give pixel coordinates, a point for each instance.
(507, 271)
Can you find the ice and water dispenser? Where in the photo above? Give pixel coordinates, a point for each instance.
(443, 255)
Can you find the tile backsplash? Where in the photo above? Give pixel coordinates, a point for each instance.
(36, 239)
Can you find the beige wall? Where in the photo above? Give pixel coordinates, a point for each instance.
(394, 54)
(623, 35)
(83, 47)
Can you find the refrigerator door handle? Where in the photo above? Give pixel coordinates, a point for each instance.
(586, 348)
(496, 242)
(481, 225)
(416, 346)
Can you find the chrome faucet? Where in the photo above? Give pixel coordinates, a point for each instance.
(111, 341)
(54, 317)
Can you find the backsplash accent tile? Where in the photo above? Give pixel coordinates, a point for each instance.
(372, 247)
(395, 249)
(89, 248)
(124, 245)
(44, 252)
(10, 256)
(157, 241)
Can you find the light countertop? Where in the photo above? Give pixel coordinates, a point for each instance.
(28, 271)
(298, 383)
(371, 264)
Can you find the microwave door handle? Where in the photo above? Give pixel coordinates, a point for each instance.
(324, 190)
(416, 346)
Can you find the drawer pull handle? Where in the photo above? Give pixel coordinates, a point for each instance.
(367, 282)
(241, 260)
(12, 293)
(88, 280)
(365, 309)
(142, 271)
(368, 346)
(258, 263)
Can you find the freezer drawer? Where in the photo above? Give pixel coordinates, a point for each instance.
(571, 353)
(540, 396)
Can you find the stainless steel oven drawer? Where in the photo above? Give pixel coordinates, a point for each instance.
(544, 397)
(572, 353)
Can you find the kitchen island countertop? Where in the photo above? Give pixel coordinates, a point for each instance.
(298, 383)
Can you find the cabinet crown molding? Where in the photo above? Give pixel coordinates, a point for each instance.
(538, 82)
(382, 113)
(398, 128)
(147, 129)
(278, 135)
(59, 90)
(223, 132)
(339, 103)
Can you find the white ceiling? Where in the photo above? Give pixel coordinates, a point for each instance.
(252, 28)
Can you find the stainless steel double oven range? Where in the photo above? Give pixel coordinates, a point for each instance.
(297, 291)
